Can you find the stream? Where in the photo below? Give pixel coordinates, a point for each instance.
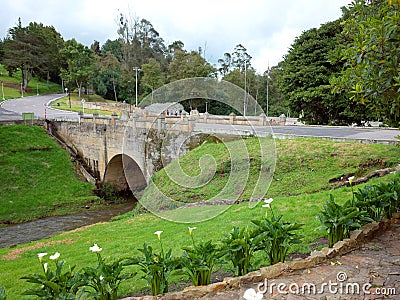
(47, 227)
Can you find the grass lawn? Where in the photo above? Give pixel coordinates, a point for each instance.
(12, 85)
(303, 166)
(63, 104)
(37, 177)
(300, 188)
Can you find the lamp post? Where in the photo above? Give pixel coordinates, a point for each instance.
(69, 96)
(206, 107)
(268, 77)
(245, 87)
(22, 91)
(83, 106)
(267, 97)
(136, 92)
(2, 89)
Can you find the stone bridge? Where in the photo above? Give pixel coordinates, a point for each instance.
(126, 152)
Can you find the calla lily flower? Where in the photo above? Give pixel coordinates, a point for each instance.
(251, 294)
(55, 256)
(45, 267)
(101, 277)
(351, 179)
(158, 233)
(268, 201)
(41, 255)
(95, 248)
(191, 230)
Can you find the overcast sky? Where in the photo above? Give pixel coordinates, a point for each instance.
(266, 28)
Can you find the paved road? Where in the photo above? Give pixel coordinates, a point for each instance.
(12, 109)
(35, 104)
(373, 134)
(6, 115)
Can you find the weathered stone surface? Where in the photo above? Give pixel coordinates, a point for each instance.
(370, 229)
(308, 262)
(274, 270)
(356, 235)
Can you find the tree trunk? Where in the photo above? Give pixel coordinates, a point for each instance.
(79, 85)
(115, 92)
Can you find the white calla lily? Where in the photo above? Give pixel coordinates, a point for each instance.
(55, 256)
(95, 248)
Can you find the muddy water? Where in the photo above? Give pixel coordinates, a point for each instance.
(43, 228)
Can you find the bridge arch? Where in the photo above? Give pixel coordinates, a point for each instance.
(124, 173)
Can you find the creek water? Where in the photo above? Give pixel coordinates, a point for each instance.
(47, 227)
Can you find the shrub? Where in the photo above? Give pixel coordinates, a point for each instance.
(156, 266)
(199, 260)
(239, 249)
(274, 235)
(338, 220)
(54, 284)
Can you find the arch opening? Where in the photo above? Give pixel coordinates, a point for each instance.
(125, 175)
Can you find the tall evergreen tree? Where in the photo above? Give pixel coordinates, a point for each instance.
(304, 75)
(33, 49)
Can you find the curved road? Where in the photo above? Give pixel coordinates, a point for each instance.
(12, 110)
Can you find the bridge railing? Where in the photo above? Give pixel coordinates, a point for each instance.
(183, 122)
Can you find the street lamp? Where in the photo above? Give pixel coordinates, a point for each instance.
(2, 89)
(69, 97)
(245, 92)
(83, 106)
(268, 77)
(136, 92)
(206, 107)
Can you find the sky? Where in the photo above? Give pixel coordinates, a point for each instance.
(266, 28)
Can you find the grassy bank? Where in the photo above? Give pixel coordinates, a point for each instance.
(300, 188)
(64, 104)
(12, 86)
(303, 166)
(37, 177)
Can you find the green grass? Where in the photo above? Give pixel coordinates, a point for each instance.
(63, 104)
(303, 166)
(315, 160)
(37, 176)
(12, 85)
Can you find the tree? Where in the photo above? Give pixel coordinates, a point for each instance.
(96, 48)
(241, 60)
(225, 64)
(115, 47)
(107, 76)
(33, 49)
(152, 75)
(372, 58)
(304, 75)
(1, 49)
(276, 104)
(80, 64)
(188, 65)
